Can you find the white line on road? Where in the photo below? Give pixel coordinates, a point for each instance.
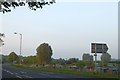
(18, 76)
(11, 73)
(28, 76)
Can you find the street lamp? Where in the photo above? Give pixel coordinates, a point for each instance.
(1, 40)
(20, 43)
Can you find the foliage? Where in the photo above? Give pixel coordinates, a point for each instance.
(61, 61)
(105, 58)
(30, 60)
(32, 4)
(13, 57)
(88, 59)
(72, 60)
(80, 64)
(54, 61)
(5, 58)
(44, 53)
(73, 72)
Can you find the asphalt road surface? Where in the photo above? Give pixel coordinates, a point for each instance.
(12, 72)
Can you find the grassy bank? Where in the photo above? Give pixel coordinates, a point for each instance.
(74, 72)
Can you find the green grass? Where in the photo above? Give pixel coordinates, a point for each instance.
(74, 72)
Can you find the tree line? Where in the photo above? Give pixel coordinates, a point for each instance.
(42, 57)
(44, 54)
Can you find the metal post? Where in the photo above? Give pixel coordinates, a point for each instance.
(20, 45)
(1, 44)
(95, 57)
(102, 54)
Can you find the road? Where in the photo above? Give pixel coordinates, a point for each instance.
(12, 72)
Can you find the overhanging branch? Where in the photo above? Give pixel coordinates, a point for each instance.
(32, 4)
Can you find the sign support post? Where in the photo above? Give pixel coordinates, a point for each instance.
(102, 61)
(98, 48)
(95, 57)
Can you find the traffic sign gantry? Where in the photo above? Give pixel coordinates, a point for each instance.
(99, 48)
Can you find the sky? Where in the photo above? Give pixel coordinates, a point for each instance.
(69, 27)
(87, 0)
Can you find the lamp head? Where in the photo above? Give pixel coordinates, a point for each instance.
(15, 33)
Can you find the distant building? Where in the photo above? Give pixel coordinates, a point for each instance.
(87, 57)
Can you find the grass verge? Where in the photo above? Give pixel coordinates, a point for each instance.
(73, 72)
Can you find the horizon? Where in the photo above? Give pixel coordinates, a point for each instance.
(68, 28)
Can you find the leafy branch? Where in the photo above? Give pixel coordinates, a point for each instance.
(33, 5)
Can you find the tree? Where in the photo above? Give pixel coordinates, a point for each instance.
(80, 64)
(32, 4)
(61, 61)
(5, 58)
(44, 53)
(54, 61)
(87, 57)
(30, 60)
(105, 58)
(88, 60)
(72, 60)
(13, 57)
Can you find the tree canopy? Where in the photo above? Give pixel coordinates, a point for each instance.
(72, 60)
(13, 57)
(105, 58)
(32, 4)
(87, 57)
(80, 64)
(30, 60)
(44, 53)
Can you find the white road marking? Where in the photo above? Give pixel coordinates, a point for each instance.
(24, 75)
(11, 73)
(8, 71)
(18, 76)
(28, 76)
(45, 74)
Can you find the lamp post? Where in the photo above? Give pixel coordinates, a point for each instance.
(1, 44)
(1, 41)
(20, 44)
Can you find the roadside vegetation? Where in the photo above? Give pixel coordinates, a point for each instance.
(43, 61)
(70, 71)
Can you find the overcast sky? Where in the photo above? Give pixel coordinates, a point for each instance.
(68, 27)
